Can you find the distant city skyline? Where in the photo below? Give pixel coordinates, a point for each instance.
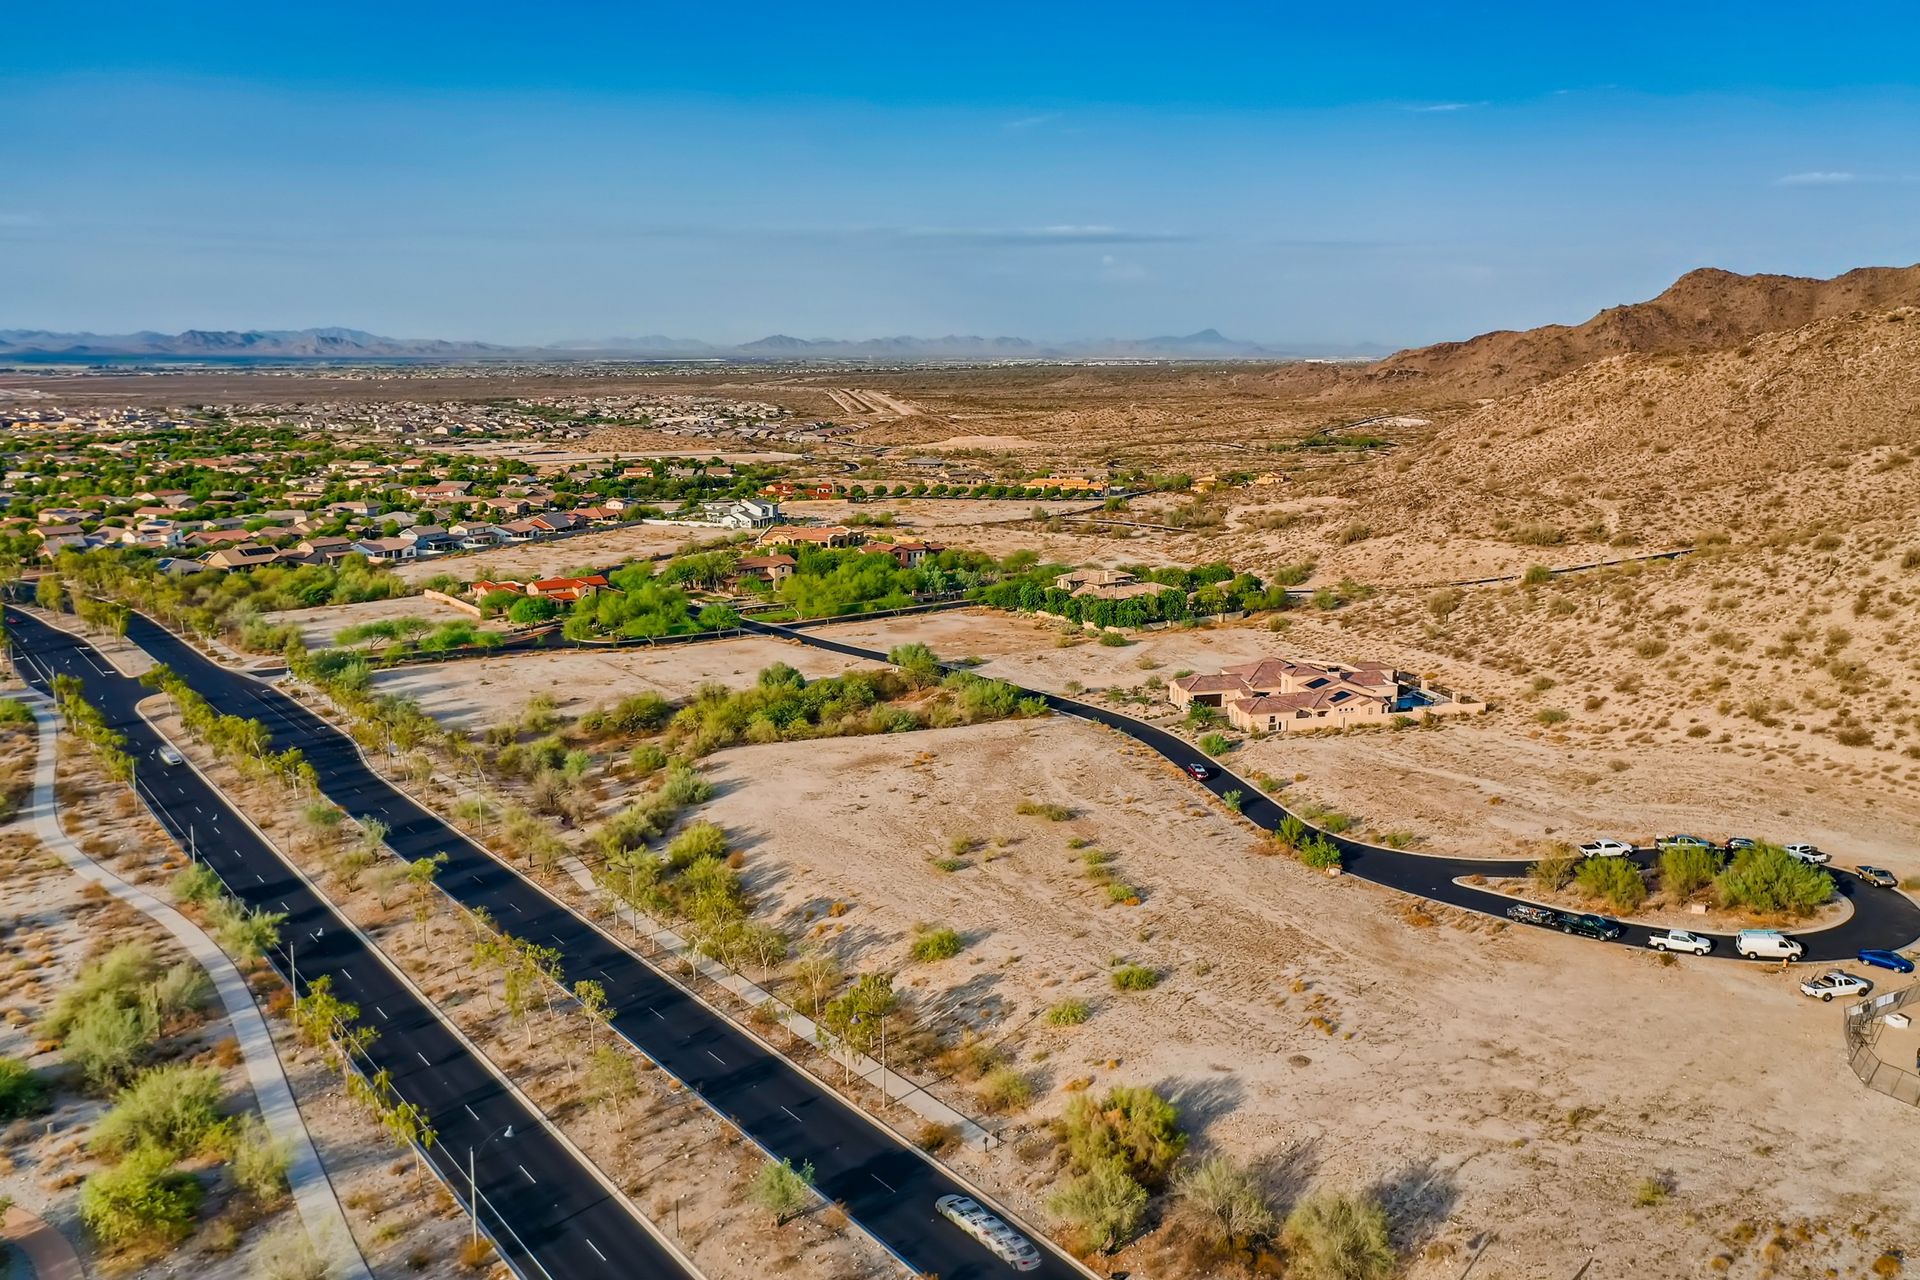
(494, 174)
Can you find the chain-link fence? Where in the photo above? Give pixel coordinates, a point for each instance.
(1866, 1024)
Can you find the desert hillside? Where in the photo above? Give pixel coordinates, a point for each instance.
(1813, 425)
(1703, 310)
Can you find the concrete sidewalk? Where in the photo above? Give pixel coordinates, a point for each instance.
(312, 1191)
(48, 1254)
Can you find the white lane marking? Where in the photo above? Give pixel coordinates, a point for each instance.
(656, 1013)
(596, 1248)
(530, 1178)
(783, 1107)
(716, 1057)
(257, 876)
(882, 1181)
(383, 1013)
(422, 1057)
(470, 1111)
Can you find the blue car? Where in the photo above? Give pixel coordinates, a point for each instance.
(1887, 960)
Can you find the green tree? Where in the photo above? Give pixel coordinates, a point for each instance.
(1330, 1236)
(1687, 869)
(1767, 878)
(108, 1040)
(1132, 1124)
(260, 1161)
(140, 1200)
(1616, 881)
(1555, 871)
(1225, 1194)
(22, 1093)
(175, 1109)
(1105, 1203)
(783, 1190)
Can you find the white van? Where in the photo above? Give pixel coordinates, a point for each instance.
(1767, 944)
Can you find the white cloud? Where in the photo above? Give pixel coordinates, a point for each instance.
(1032, 122)
(1816, 178)
(1433, 107)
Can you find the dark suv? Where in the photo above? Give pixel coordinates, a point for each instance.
(1527, 913)
(1588, 925)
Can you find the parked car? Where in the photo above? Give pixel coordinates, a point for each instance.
(1879, 877)
(1200, 771)
(1606, 849)
(1527, 913)
(1807, 853)
(1767, 944)
(1007, 1244)
(1736, 843)
(1681, 940)
(1886, 960)
(1835, 982)
(1681, 842)
(1588, 925)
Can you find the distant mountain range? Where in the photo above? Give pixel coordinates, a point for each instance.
(353, 344)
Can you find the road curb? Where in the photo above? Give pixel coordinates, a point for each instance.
(607, 1183)
(309, 1181)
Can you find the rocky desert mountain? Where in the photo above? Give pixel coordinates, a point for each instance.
(1702, 311)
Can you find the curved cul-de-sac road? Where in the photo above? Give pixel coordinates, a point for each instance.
(1885, 918)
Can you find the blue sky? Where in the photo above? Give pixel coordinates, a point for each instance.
(518, 173)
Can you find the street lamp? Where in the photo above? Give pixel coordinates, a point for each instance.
(473, 1186)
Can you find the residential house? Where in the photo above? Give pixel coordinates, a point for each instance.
(798, 489)
(506, 506)
(522, 530)
(741, 513)
(481, 587)
(910, 552)
(443, 491)
(386, 550)
(431, 540)
(365, 508)
(1104, 584)
(476, 537)
(1277, 695)
(832, 535)
(773, 569)
(244, 555)
(555, 522)
(1067, 484)
(323, 550)
(567, 589)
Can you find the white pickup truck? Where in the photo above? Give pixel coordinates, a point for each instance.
(1835, 982)
(1680, 940)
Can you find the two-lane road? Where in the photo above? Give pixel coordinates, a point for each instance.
(549, 1215)
(1880, 918)
(885, 1183)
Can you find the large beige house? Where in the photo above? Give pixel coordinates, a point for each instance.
(1277, 695)
(1104, 584)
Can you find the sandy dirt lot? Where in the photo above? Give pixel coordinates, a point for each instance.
(318, 627)
(605, 549)
(476, 692)
(930, 515)
(1484, 1078)
(1496, 785)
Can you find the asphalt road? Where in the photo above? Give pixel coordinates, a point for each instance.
(885, 1184)
(1885, 918)
(548, 1215)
